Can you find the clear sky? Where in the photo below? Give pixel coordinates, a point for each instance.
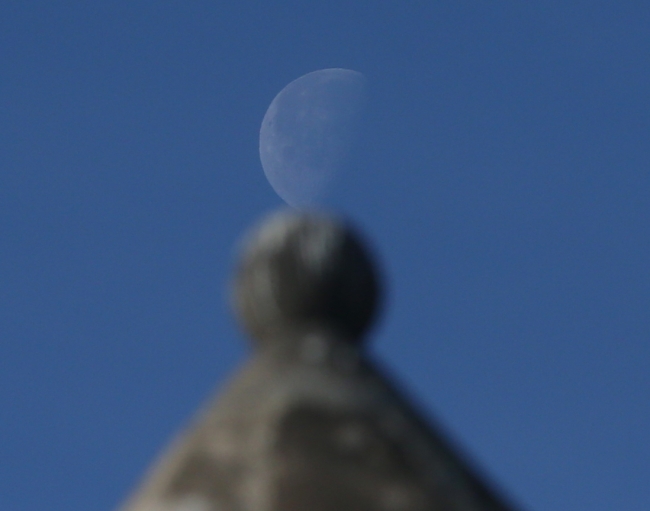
(502, 176)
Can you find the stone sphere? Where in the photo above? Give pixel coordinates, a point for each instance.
(302, 273)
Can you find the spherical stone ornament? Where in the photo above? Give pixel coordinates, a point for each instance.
(304, 272)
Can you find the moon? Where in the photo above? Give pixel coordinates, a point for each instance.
(308, 131)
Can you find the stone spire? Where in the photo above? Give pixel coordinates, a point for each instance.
(310, 423)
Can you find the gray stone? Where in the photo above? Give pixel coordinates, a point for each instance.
(310, 423)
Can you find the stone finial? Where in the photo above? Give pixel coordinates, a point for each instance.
(310, 423)
(305, 272)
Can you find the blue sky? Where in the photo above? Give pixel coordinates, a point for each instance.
(502, 177)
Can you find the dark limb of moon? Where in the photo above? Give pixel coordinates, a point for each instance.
(307, 132)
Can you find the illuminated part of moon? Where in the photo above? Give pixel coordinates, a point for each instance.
(307, 132)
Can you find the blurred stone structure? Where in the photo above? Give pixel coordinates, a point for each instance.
(310, 423)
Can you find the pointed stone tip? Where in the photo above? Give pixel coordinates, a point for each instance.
(304, 272)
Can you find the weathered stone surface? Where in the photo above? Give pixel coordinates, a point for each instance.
(310, 423)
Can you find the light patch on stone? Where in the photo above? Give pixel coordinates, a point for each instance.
(395, 498)
(316, 252)
(273, 233)
(254, 492)
(264, 286)
(314, 350)
(352, 436)
(223, 446)
(193, 502)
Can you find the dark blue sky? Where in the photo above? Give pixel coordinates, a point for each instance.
(502, 176)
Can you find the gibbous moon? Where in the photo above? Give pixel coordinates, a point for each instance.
(307, 132)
